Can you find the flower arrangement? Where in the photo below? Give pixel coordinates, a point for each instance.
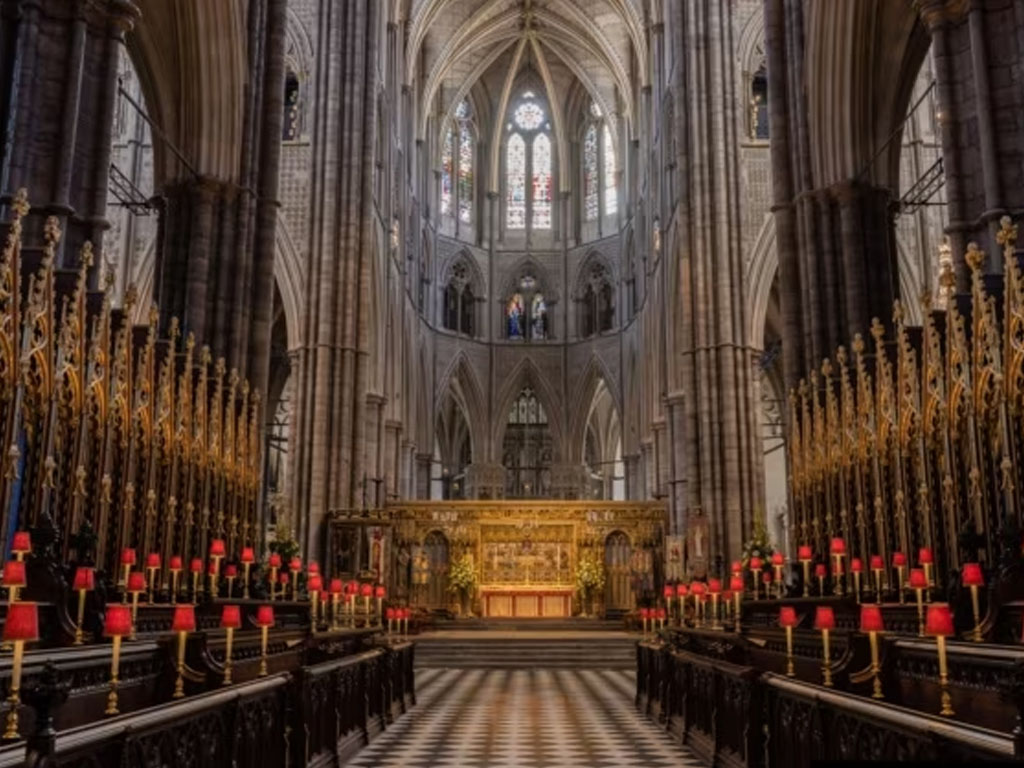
(759, 545)
(589, 574)
(462, 575)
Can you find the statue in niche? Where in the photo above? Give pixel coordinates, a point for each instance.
(514, 314)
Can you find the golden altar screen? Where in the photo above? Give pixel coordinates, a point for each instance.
(541, 554)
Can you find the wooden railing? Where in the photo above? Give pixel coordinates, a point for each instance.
(731, 713)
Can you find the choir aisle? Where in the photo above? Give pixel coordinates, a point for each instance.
(531, 718)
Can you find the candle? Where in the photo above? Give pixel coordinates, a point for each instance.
(973, 577)
(788, 619)
(871, 623)
(825, 621)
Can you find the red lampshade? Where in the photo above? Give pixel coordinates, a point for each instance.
(661, 613)
(380, 592)
(314, 567)
(727, 595)
(917, 579)
(898, 559)
(176, 563)
(352, 588)
(877, 564)
(857, 565)
(295, 564)
(756, 563)
(820, 571)
(118, 620)
(230, 571)
(737, 566)
(697, 588)
(196, 566)
(736, 583)
(247, 556)
(85, 579)
(939, 620)
(315, 583)
(787, 616)
(153, 560)
(669, 591)
(265, 616)
(682, 590)
(925, 556)
(14, 573)
(972, 575)
(274, 561)
(211, 568)
(283, 578)
(218, 548)
(824, 617)
(838, 546)
(805, 553)
(231, 617)
(136, 581)
(389, 614)
(21, 542)
(766, 577)
(128, 556)
(366, 590)
(645, 613)
(871, 618)
(184, 618)
(336, 587)
(715, 586)
(778, 559)
(22, 622)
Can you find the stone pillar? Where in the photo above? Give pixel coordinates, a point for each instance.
(58, 86)
(979, 69)
(631, 461)
(335, 372)
(424, 474)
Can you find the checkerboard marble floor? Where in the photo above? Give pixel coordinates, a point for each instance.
(527, 718)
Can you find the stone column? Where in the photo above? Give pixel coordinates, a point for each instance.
(58, 86)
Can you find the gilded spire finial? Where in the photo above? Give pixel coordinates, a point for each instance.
(841, 355)
(826, 367)
(173, 332)
(897, 312)
(20, 204)
(858, 344)
(974, 257)
(204, 356)
(86, 255)
(877, 329)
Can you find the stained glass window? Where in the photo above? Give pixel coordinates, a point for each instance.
(594, 109)
(611, 192)
(538, 317)
(447, 161)
(462, 111)
(515, 203)
(514, 317)
(529, 116)
(465, 190)
(542, 182)
(590, 180)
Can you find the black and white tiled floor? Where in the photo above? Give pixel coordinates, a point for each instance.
(527, 718)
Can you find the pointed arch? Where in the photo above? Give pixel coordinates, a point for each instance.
(459, 379)
(526, 374)
(595, 373)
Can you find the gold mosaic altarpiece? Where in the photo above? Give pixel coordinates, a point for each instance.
(518, 548)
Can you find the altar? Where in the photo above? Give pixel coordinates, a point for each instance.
(521, 602)
(525, 555)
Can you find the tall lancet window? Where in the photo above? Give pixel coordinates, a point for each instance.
(611, 191)
(457, 158)
(591, 182)
(529, 179)
(600, 188)
(542, 182)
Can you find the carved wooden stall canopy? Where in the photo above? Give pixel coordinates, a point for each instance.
(512, 543)
(915, 438)
(112, 437)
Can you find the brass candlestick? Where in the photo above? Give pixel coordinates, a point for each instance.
(135, 614)
(264, 632)
(790, 671)
(245, 576)
(876, 692)
(179, 683)
(115, 663)
(149, 584)
(900, 582)
(807, 577)
(227, 655)
(79, 633)
(920, 612)
(715, 623)
(947, 702)
(737, 596)
(878, 584)
(14, 700)
(976, 633)
(827, 659)
(856, 585)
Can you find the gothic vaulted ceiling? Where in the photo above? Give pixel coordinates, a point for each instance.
(455, 46)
